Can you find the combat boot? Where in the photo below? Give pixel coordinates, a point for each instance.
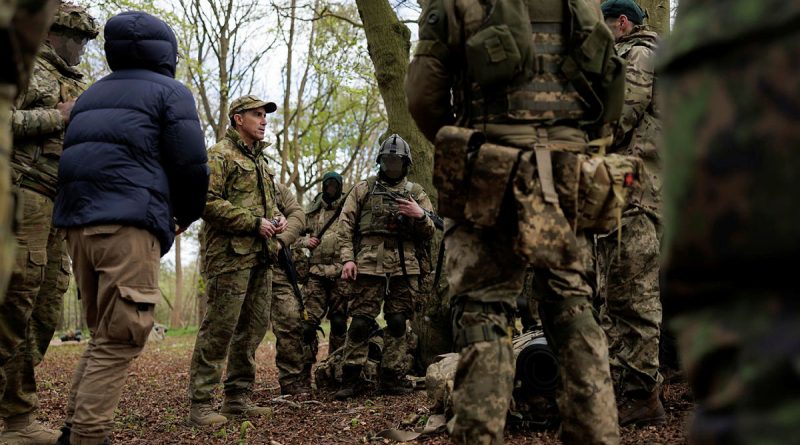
(23, 430)
(202, 414)
(393, 385)
(351, 383)
(239, 405)
(646, 410)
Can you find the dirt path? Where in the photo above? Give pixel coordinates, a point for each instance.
(154, 407)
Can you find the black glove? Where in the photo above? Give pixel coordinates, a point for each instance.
(309, 332)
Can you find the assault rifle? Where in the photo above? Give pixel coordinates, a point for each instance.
(438, 222)
(286, 262)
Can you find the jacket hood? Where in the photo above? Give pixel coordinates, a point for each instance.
(138, 40)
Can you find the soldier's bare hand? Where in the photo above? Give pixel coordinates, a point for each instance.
(65, 108)
(266, 230)
(312, 243)
(409, 208)
(349, 271)
(282, 224)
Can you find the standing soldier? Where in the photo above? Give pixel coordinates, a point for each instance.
(292, 351)
(730, 105)
(242, 225)
(629, 269)
(326, 292)
(536, 77)
(33, 306)
(22, 29)
(383, 223)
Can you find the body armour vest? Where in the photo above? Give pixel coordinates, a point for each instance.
(379, 215)
(546, 96)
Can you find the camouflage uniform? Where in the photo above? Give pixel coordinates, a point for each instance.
(23, 30)
(326, 293)
(484, 261)
(631, 312)
(730, 107)
(370, 234)
(292, 353)
(238, 265)
(41, 276)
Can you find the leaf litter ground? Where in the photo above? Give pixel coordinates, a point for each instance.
(154, 407)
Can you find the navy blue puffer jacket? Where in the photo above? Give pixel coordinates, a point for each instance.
(134, 152)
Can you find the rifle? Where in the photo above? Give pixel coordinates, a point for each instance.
(286, 262)
(438, 222)
(335, 215)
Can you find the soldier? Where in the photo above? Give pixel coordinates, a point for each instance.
(326, 292)
(23, 29)
(513, 72)
(41, 276)
(242, 226)
(292, 350)
(631, 313)
(730, 102)
(380, 230)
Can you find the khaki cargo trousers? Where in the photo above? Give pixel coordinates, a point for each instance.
(116, 270)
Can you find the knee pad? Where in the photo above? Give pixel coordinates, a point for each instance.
(338, 324)
(396, 324)
(360, 328)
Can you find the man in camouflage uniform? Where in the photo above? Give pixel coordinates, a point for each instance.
(41, 276)
(326, 293)
(242, 226)
(292, 351)
(483, 260)
(631, 313)
(379, 235)
(23, 29)
(730, 104)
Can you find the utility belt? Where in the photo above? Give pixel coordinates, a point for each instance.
(557, 189)
(22, 180)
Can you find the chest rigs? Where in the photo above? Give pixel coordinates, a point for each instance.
(557, 188)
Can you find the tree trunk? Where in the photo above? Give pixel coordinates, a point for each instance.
(658, 12)
(388, 41)
(175, 317)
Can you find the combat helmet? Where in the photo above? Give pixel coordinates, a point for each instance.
(395, 145)
(76, 18)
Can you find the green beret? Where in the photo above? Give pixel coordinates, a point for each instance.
(628, 8)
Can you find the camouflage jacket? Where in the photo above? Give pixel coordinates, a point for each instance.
(241, 191)
(23, 26)
(38, 126)
(378, 254)
(324, 260)
(639, 129)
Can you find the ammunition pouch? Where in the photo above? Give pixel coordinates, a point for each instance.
(559, 188)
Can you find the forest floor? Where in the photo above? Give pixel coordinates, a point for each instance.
(154, 407)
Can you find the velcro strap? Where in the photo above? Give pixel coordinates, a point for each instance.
(479, 333)
(544, 165)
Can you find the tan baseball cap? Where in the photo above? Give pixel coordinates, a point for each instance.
(250, 102)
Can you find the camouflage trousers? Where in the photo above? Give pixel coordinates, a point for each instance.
(327, 296)
(369, 293)
(235, 323)
(631, 303)
(32, 310)
(292, 354)
(486, 277)
(741, 362)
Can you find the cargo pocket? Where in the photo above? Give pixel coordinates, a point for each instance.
(30, 267)
(132, 317)
(242, 245)
(62, 280)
